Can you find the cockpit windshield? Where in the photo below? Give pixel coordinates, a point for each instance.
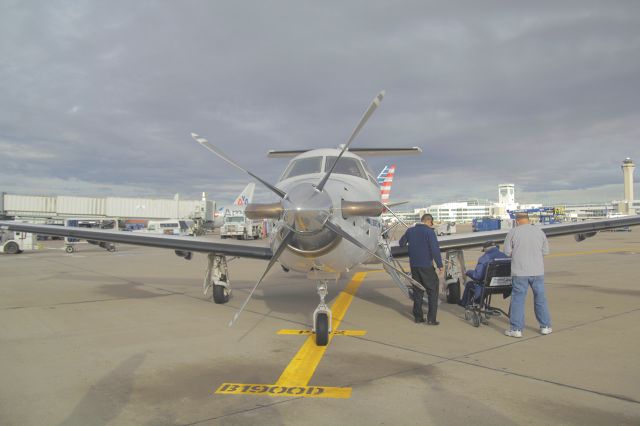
(346, 166)
(303, 166)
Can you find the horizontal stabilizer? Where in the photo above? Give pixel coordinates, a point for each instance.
(364, 152)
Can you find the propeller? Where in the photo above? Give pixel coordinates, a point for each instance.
(283, 244)
(374, 105)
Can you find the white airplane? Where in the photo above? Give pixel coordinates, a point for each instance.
(244, 198)
(326, 222)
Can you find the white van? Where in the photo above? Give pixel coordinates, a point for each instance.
(171, 227)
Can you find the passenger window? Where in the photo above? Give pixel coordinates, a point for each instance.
(346, 166)
(303, 166)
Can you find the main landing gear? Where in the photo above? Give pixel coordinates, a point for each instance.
(217, 278)
(454, 273)
(322, 317)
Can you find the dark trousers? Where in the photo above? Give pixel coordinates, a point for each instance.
(429, 279)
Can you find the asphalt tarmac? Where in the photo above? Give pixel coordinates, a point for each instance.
(96, 338)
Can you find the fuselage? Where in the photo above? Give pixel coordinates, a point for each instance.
(351, 180)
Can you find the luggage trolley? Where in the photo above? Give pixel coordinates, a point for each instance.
(101, 223)
(497, 280)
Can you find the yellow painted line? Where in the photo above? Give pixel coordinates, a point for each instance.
(280, 390)
(301, 368)
(337, 332)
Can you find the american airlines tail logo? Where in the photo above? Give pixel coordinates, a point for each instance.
(384, 181)
(242, 200)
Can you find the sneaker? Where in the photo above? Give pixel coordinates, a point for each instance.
(513, 333)
(545, 330)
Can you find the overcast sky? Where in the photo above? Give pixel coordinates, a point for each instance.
(99, 98)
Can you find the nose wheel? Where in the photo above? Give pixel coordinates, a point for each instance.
(322, 317)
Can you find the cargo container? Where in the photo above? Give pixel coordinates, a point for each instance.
(481, 224)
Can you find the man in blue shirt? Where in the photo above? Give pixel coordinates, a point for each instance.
(472, 289)
(423, 251)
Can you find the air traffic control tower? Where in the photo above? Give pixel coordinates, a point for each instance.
(627, 170)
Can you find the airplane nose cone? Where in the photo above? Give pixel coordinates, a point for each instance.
(306, 210)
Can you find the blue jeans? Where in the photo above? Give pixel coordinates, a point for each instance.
(519, 296)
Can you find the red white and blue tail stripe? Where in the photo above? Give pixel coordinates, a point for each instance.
(384, 181)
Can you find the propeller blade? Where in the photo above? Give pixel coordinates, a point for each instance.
(374, 105)
(287, 238)
(338, 230)
(205, 143)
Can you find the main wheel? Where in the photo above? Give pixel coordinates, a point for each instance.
(322, 329)
(453, 292)
(220, 294)
(12, 248)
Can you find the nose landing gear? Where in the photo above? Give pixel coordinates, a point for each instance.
(322, 317)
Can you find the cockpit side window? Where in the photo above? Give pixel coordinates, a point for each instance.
(346, 166)
(303, 166)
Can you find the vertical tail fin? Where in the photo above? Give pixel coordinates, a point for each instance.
(385, 178)
(245, 196)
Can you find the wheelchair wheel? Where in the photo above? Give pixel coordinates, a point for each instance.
(476, 319)
(467, 315)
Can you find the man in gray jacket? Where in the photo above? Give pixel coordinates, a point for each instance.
(527, 244)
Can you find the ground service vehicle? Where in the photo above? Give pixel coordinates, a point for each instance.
(16, 242)
(236, 225)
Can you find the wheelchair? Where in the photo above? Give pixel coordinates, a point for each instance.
(497, 280)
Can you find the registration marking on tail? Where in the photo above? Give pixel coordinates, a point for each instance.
(294, 380)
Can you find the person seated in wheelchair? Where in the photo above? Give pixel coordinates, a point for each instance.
(473, 289)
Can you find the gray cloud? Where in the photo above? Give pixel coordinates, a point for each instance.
(102, 96)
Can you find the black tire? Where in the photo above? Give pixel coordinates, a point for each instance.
(69, 249)
(476, 319)
(12, 248)
(220, 294)
(322, 329)
(453, 293)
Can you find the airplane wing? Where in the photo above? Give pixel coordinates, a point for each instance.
(581, 230)
(172, 242)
